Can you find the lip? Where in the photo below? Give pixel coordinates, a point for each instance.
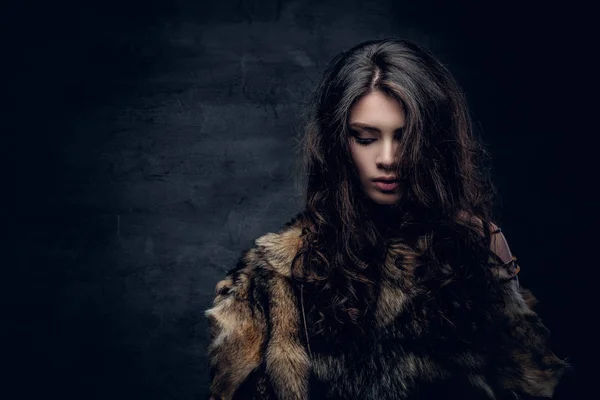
(386, 179)
(387, 186)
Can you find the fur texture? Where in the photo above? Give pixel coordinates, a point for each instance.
(261, 349)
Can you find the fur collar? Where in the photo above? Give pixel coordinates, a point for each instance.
(259, 346)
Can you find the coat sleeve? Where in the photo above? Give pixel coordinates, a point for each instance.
(238, 332)
(528, 367)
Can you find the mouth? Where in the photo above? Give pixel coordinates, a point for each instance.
(387, 185)
(386, 180)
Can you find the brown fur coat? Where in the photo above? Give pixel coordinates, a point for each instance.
(259, 346)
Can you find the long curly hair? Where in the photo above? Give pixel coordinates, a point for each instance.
(443, 171)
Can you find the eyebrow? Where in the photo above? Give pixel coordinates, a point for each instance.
(367, 127)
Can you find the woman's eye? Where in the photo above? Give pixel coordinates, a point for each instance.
(364, 142)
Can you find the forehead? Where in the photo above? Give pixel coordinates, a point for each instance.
(379, 110)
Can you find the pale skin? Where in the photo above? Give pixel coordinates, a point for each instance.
(376, 122)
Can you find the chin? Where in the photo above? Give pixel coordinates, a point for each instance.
(385, 199)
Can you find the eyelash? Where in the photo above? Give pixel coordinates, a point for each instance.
(363, 142)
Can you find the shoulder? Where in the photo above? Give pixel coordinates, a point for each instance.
(254, 303)
(499, 244)
(272, 253)
(276, 250)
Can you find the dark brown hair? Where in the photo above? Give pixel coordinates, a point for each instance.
(441, 167)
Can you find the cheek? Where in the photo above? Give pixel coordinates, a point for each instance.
(360, 162)
(354, 155)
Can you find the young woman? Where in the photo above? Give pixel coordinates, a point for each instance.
(393, 283)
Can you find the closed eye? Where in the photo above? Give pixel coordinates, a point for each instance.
(364, 142)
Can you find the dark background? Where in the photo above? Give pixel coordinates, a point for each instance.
(153, 141)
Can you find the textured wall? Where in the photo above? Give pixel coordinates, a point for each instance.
(156, 142)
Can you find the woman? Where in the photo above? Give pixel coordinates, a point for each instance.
(393, 283)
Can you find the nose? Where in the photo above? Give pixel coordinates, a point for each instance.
(387, 154)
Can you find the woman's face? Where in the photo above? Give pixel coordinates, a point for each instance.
(376, 122)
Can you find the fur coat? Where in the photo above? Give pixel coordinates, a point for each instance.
(261, 349)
